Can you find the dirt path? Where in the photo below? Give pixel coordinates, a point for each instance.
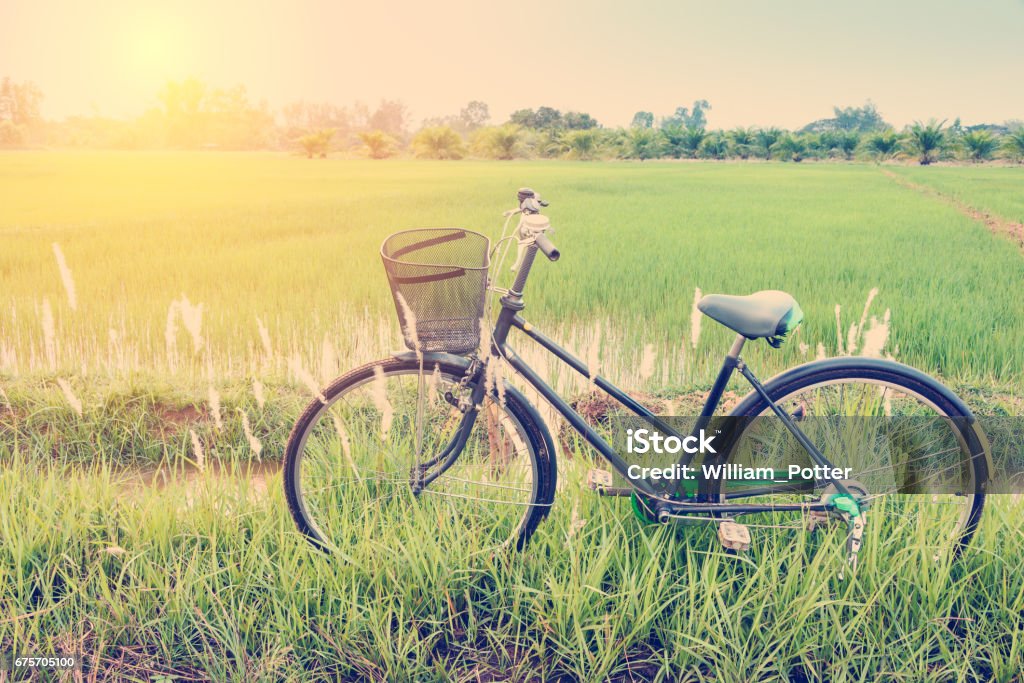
(996, 224)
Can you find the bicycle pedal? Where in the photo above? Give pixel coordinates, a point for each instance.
(734, 536)
(599, 479)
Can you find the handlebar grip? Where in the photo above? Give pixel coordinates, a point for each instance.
(549, 249)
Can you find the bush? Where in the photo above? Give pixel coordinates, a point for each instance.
(498, 142)
(926, 140)
(979, 145)
(317, 143)
(438, 142)
(379, 145)
(1013, 145)
(11, 134)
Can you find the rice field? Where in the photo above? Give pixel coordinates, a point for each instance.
(170, 313)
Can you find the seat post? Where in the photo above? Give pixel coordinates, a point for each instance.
(728, 365)
(737, 346)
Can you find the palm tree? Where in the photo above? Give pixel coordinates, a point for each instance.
(1013, 145)
(766, 139)
(980, 145)
(883, 144)
(580, 144)
(438, 142)
(640, 143)
(927, 140)
(816, 145)
(742, 140)
(499, 142)
(715, 146)
(848, 141)
(673, 135)
(693, 136)
(792, 146)
(379, 145)
(317, 143)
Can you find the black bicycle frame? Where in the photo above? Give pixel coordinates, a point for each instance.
(509, 318)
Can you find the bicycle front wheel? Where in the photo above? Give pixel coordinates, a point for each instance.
(375, 463)
(918, 464)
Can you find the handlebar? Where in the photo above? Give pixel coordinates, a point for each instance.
(533, 224)
(546, 246)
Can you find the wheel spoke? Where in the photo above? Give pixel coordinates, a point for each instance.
(359, 452)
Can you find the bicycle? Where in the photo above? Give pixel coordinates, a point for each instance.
(393, 443)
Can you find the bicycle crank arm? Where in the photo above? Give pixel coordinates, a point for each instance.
(854, 539)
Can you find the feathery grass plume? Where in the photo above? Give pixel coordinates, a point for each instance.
(851, 339)
(254, 444)
(303, 375)
(412, 337)
(7, 401)
(839, 333)
(69, 395)
(821, 354)
(115, 350)
(494, 370)
(434, 386)
(171, 335)
(876, 336)
(65, 276)
(346, 446)
(380, 400)
(647, 362)
(197, 451)
(214, 399)
(864, 314)
(268, 350)
(803, 348)
(49, 335)
(257, 393)
(8, 360)
(494, 378)
(695, 317)
(192, 319)
(328, 360)
(576, 523)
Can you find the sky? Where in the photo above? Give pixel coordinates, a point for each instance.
(784, 62)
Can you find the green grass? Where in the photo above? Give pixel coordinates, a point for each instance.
(294, 243)
(206, 575)
(996, 190)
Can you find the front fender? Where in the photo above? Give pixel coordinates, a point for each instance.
(434, 357)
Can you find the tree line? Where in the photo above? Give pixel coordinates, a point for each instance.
(191, 115)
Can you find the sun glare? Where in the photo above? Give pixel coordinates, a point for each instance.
(156, 48)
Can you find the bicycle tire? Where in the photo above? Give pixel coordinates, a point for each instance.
(871, 370)
(541, 446)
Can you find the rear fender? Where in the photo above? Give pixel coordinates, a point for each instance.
(833, 368)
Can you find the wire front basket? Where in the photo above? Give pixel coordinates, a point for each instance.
(438, 278)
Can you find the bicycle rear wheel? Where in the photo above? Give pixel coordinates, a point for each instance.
(359, 463)
(909, 442)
